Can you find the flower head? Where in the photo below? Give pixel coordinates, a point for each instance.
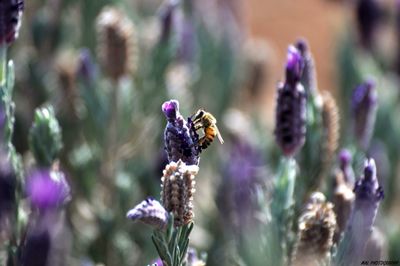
(345, 159)
(294, 65)
(150, 212)
(178, 137)
(47, 189)
(117, 43)
(308, 77)
(364, 107)
(290, 120)
(177, 191)
(10, 19)
(316, 228)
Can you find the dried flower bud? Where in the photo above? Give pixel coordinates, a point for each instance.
(290, 124)
(343, 199)
(316, 228)
(177, 191)
(47, 189)
(308, 77)
(368, 14)
(330, 127)
(345, 159)
(10, 19)
(178, 138)
(364, 107)
(257, 57)
(117, 43)
(150, 212)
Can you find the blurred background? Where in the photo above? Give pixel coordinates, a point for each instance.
(226, 56)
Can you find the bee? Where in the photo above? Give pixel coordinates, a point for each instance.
(206, 121)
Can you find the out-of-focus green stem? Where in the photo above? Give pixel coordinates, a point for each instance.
(3, 64)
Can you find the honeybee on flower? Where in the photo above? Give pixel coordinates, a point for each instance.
(206, 121)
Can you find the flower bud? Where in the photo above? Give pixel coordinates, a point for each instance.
(177, 191)
(150, 212)
(290, 120)
(10, 19)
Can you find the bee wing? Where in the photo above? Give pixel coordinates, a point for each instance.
(219, 135)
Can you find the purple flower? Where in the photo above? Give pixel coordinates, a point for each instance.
(10, 19)
(308, 77)
(345, 159)
(290, 120)
(47, 241)
(178, 138)
(364, 106)
(368, 14)
(167, 15)
(368, 194)
(157, 262)
(86, 66)
(47, 189)
(235, 197)
(294, 65)
(150, 212)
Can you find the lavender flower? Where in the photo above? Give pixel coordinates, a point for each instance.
(150, 212)
(240, 180)
(368, 14)
(364, 106)
(47, 241)
(86, 69)
(177, 191)
(368, 194)
(47, 189)
(178, 139)
(290, 121)
(10, 19)
(345, 159)
(308, 77)
(166, 16)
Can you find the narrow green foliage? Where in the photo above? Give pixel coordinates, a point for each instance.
(172, 243)
(45, 137)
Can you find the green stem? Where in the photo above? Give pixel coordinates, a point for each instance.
(3, 64)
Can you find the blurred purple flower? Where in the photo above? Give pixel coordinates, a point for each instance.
(308, 76)
(368, 15)
(150, 212)
(178, 139)
(10, 19)
(290, 120)
(166, 16)
(364, 107)
(157, 262)
(240, 179)
(368, 194)
(47, 241)
(345, 159)
(47, 189)
(86, 67)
